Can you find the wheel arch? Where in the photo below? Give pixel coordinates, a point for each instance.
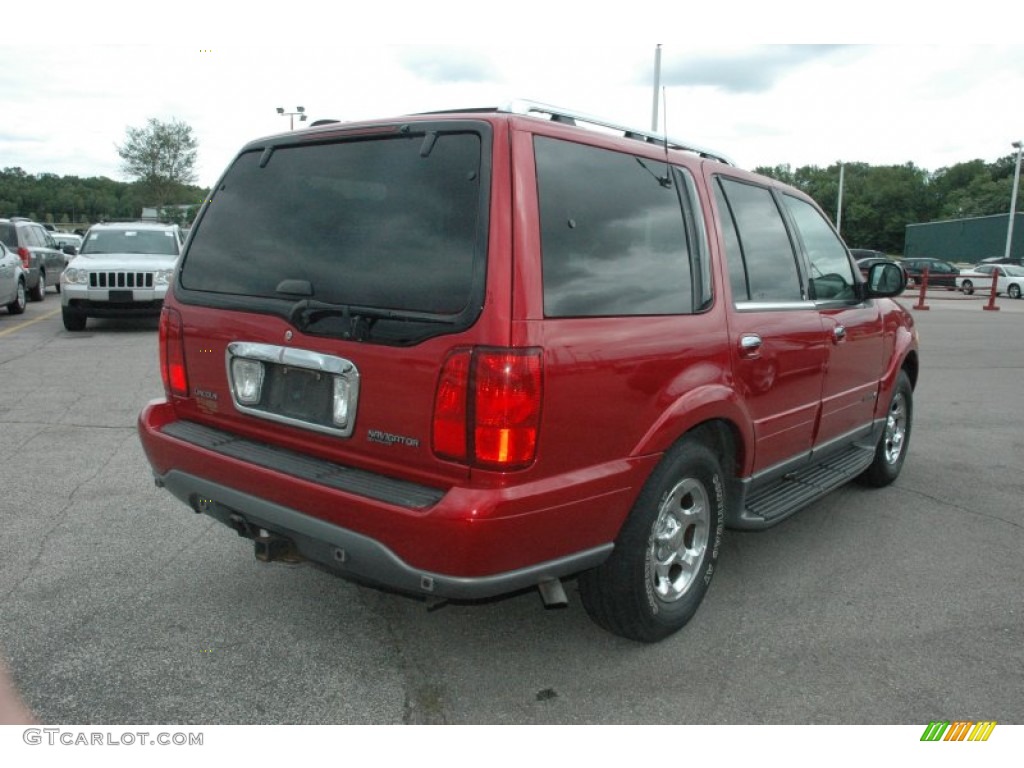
(910, 365)
(715, 416)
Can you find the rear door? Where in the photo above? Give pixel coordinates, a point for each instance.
(779, 345)
(8, 275)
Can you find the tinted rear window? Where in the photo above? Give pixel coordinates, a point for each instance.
(390, 222)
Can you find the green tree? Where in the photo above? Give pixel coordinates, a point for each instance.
(161, 157)
(182, 216)
(878, 201)
(974, 188)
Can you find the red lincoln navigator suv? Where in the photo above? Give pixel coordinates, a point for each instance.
(462, 354)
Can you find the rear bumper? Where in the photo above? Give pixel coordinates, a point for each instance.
(457, 542)
(354, 555)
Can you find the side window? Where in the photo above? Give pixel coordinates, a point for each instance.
(34, 238)
(48, 240)
(831, 275)
(733, 253)
(613, 237)
(762, 264)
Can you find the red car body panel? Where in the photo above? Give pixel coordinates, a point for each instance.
(616, 395)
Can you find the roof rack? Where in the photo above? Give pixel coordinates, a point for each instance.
(137, 220)
(560, 115)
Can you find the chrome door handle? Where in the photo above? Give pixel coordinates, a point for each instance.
(750, 345)
(839, 333)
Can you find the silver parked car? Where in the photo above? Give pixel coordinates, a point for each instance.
(13, 290)
(122, 270)
(42, 260)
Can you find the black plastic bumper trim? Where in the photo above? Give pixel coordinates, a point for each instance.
(373, 486)
(360, 557)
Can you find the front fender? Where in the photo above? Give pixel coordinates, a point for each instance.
(904, 357)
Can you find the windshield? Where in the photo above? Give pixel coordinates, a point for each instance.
(389, 222)
(155, 242)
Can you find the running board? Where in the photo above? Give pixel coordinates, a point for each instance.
(794, 491)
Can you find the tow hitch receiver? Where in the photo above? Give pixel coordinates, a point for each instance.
(268, 547)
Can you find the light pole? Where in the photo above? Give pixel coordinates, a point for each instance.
(657, 83)
(1013, 199)
(839, 204)
(300, 111)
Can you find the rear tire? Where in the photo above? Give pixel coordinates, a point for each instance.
(39, 292)
(892, 446)
(1013, 291)
(666, 552)
(967, 287)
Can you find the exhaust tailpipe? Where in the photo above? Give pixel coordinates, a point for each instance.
(553, 593)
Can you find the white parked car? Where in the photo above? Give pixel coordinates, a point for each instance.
(12, 281)
(68, 240)
(122, 270)
(1010, 280)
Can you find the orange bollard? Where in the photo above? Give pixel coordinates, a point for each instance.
(991, 306)
(924, 286)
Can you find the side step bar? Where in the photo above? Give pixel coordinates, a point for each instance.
(778, 500)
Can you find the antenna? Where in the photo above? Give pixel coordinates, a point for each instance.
(667, 181)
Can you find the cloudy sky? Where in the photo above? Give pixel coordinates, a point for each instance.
(66, 107)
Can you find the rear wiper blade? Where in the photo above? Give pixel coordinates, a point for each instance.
(357, 321)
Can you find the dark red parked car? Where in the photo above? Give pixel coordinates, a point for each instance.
(941, 273)
(462, 354)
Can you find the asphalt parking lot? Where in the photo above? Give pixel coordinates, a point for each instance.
(118, 605)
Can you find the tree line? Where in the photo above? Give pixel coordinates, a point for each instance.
(70, 202)
(879, 201)
(160, 156)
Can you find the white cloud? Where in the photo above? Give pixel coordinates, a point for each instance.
(930, 105)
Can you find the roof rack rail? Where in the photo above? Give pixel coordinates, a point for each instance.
(558, 114)
(138, 220)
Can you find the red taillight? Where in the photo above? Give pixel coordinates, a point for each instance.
(487, 411)
(26, 257)
(172, 353)
(450, 408)
(507, 414)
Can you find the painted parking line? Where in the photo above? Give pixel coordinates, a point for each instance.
(27, 323)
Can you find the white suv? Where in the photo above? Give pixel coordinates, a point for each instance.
(122, 270)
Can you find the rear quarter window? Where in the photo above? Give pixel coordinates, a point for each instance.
(613, 236)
